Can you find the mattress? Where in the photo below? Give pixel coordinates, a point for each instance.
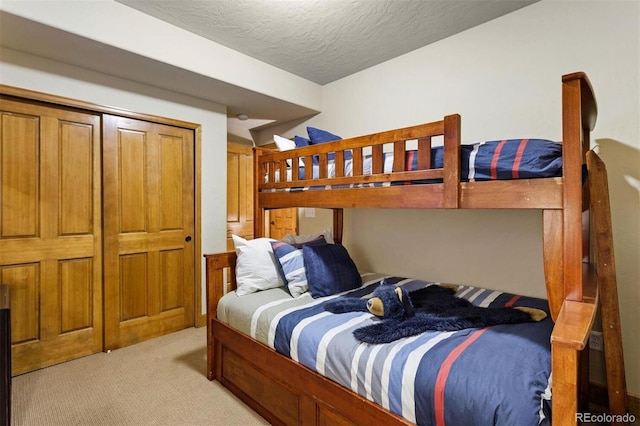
(494, 375)
(490, 160)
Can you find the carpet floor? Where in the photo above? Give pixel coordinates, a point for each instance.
(158, 382)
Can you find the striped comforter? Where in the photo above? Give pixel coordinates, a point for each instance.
(495, 375)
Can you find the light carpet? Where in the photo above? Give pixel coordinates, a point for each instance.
(158, 382)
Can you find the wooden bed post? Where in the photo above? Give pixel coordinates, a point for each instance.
(258, 212)
(573, 300)
(216, 287)
(572, 184)
(451, 177)
(579, 111)
(338, 218)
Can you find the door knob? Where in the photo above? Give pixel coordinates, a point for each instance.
(188, 238)
(273, 223)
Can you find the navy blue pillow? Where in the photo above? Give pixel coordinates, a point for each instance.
(317, 136)
(300, 141)
(330, 270)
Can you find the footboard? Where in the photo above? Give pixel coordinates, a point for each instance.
(220, 279)
(276, 387)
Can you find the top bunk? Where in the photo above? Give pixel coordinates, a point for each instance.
(426, 166)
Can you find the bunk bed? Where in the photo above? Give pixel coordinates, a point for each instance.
(577, 247)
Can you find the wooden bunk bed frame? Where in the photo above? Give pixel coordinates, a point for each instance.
(579, 272)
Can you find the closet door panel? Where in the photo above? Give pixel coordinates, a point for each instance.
(76, 295)
(171, 189)
(25, 291)
(149, 224)
(131, 173)
(171, 282)
(76, 180)
(134, 295)
(50, 242)
(20, 175)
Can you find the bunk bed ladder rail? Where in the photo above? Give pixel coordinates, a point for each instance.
(575, 320)
(607, 284)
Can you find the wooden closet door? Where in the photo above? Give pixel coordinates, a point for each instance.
(239, 192)
(50, 232)
(148, 230)
(283, 222)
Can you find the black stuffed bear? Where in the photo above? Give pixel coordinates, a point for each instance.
(433, 307)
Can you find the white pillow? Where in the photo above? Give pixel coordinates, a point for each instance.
(300, 239)
(285, 144)
(255, 266)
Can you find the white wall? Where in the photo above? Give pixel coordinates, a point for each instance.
(504, 79)
(35, 73)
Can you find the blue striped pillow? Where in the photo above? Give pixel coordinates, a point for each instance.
(291, 264)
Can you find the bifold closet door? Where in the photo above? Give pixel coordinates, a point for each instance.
(148, 178)
(50, 232)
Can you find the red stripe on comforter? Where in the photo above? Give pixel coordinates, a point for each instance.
(494, 160)
(443, 374)
(518, 159)
(512, 301)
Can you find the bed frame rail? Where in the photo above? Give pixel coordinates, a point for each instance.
(271, 169)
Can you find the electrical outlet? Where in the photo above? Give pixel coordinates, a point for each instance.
(595, 341)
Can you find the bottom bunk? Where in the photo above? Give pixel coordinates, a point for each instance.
(499, 374)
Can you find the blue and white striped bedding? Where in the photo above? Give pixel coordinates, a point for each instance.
(495, 375)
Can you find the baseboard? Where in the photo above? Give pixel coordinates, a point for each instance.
(201, 320)
(599, 397)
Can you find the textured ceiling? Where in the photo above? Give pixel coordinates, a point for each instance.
(325, 40)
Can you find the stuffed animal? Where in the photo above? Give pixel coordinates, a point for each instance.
(434, 307)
